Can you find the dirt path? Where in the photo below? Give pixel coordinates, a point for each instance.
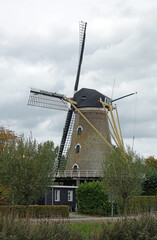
(79, 219)
(76, 218)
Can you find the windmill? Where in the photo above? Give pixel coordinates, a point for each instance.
(86, 138)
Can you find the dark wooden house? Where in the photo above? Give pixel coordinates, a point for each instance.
(61, 195)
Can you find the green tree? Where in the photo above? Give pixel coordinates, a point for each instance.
(151, 162)
(26, 169)
(123, 173)
(149, 186)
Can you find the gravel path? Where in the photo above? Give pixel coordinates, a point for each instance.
(77, 218)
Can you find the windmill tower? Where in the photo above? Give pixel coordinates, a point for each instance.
(86, 138)
(87, 150)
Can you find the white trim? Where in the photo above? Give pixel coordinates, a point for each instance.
(77, 145)
(75, 165)
(70, 195)
(78, 148)
(79, 127)
(52, 197)
(57, 195)
(61, 186)
(92, 109)
(79, 130)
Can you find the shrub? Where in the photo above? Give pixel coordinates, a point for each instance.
(92, 199)
(48, 211)
(34, 211)
(132, 229)
(149, 186)
(13, 210)
(141, 204)
(15, 229)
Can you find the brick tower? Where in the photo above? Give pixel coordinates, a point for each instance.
(88, 150)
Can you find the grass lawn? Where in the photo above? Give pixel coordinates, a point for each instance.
(87, 228)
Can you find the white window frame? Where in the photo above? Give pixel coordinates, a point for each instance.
(78, 148)
(75, 167)
(57, 195)
(79, 133)
(70, 195)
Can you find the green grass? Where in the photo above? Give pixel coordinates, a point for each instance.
(142, 228)
(86, 229)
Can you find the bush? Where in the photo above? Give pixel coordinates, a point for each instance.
(13, 210)
(138, 205)
(34, 211)
(143, 228)
(149, 186)
(48, 211)
(92, 199)
(17, 229)
(141, 204)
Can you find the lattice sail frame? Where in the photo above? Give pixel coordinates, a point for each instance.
(61, 162)
(44, 99)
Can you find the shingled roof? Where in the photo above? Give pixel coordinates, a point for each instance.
(86, 97)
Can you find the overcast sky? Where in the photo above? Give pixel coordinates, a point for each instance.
(39, 42)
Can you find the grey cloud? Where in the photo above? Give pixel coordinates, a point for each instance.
(121, 44)
(58, 46)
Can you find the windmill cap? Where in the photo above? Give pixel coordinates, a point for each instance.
(86, 97)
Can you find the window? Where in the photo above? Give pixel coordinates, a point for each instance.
(75, 168)
(70, 196)
(83, 98)
(78, 148)
(57, 195)
(106, 100)
(79, 131)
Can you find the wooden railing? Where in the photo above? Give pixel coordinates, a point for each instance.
(71, 173)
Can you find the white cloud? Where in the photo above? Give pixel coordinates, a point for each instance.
(39, 48)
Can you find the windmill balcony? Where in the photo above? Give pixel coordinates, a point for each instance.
(78, 174)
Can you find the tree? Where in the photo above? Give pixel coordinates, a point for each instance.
(123, 174)
(151, 162)
(6, 138)
(26, 169)
(149, 186)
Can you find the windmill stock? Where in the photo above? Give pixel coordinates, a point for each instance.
(91, 128)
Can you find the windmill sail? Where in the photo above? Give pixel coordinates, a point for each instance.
(45, 99)
(67, 132)
(64, 136)
(65, 140)
(123, 97)
(40, 98)
(81, 50)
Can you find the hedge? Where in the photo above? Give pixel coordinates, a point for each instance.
(141, 204)
(49, 211)
(34, 211)
(92, 199)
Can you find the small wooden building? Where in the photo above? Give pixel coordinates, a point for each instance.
(62, 195)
